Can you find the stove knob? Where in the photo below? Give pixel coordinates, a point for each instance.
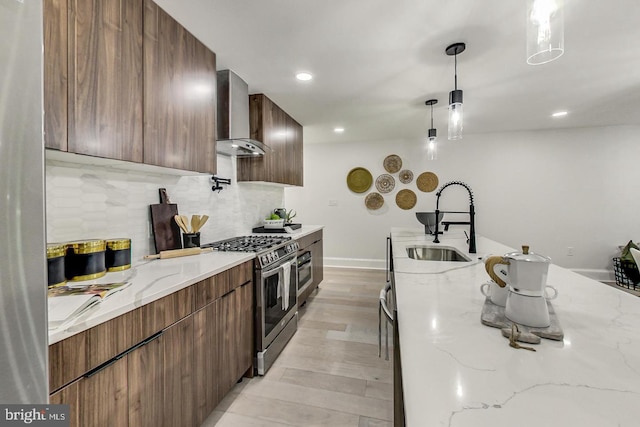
(264, 259)
(276, 256)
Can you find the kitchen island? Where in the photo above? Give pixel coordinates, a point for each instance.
(458, 372)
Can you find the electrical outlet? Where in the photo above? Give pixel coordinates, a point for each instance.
(570, 251)
(333, 203)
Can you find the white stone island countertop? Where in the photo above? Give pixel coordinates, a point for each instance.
(154, 279)
(457, 372)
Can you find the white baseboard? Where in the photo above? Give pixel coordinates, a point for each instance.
(369, 264)
(599, 275)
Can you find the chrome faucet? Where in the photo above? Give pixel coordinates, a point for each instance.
(471, 238)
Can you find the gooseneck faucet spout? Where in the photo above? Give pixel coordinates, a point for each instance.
(472, 212)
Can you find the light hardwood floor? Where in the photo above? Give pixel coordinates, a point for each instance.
(329, 374)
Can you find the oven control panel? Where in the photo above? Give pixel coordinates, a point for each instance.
(267, 258)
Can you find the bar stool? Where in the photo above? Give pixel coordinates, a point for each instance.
(384, 307)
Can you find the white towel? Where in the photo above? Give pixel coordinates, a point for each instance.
(286, 282)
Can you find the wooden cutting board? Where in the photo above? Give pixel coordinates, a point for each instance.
(166, 232)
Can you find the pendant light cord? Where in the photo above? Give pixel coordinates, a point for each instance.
(431, 116)
(455, 71)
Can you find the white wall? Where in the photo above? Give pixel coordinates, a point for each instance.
(549, 189)
(89, 201)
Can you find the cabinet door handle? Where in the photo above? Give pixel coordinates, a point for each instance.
(121, 355)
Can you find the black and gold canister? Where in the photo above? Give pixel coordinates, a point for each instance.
(55, 264)
(85, 260)
(118, 256)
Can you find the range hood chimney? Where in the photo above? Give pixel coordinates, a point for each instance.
(233, 118)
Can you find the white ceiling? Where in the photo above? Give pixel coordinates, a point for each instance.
(375, 62)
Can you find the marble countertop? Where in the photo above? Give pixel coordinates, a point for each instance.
(154, 279)
(458, 372)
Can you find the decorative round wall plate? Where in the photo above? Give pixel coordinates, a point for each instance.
(359, 180)
(427, 182)
(392, 163)
(406, 199)
(405, 176)
(385, 183)
(374, 201)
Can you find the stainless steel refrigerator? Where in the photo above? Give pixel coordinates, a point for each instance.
(23, 309)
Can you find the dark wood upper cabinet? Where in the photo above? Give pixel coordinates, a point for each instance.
(179, 95)
(55, 73)
(282, 163)
(123, 80)
(105, 75)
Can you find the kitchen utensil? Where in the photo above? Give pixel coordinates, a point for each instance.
(385, 183)
(526, 274)
(203, 220)
(527, 310)
(406, 199)
(166, 233)
(180, 221)
(359, 180)
(178, 253)
(392, 163)
(195, 220)
(374, 201)
(427, 182)
(497, 294)
(185, 221)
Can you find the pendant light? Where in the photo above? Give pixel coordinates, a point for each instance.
(545, 31)
(432, 143)
(455, 96)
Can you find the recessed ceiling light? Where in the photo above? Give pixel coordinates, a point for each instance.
(559, 114)
(304, 76)
(338, 130)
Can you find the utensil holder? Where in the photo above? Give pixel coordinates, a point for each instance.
(191, 240)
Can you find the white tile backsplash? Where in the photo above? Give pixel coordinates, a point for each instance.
(90, 201)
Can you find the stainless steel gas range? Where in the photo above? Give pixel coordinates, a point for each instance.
(276, 284)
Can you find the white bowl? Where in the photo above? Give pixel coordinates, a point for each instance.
(273, 223)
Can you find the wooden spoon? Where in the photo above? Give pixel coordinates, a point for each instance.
(195, 220)
(203, 220)
(181, 224)
(185, 221)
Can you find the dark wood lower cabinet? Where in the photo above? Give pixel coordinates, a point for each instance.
(206, 361)
(175, 377)
(98, 400)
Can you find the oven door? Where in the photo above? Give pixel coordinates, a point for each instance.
(276, 300)
(305, 271)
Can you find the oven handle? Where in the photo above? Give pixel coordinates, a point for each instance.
(304, 258)
(278, 265)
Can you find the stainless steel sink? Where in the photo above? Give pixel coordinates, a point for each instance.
(436, 253)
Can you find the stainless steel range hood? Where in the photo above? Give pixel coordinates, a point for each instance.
(233, 118)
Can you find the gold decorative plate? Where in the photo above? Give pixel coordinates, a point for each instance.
(359, 180)
(385, 183)
(374, 201)
(427, 182)
(406, 199)
(405, 176)
(392, 163)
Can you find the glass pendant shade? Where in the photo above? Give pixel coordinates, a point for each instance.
(432, 146)
(545, 31)
(455, 115)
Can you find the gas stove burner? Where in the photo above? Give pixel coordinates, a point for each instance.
(247, 243)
